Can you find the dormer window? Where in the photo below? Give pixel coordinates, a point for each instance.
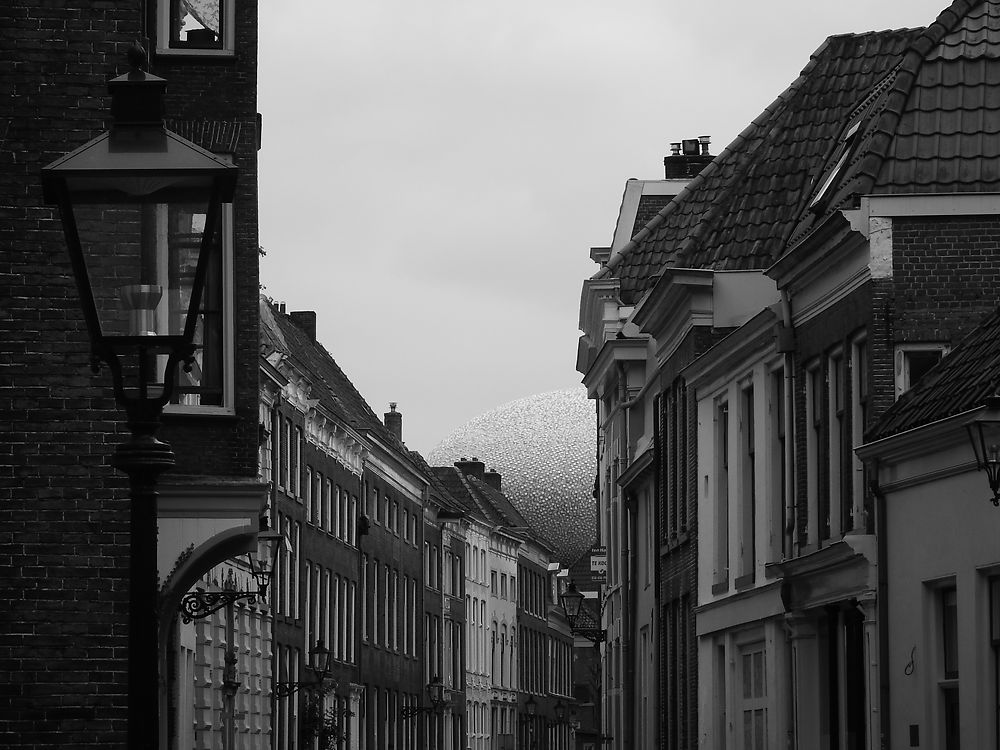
(195, 27)
(843, 155)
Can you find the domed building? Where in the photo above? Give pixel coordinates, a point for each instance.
(543, 447)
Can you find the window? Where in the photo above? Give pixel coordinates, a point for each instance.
(948, 608)
(840, 159)
(752, 689)
(296, 463)
(859, 421)
(832, 506)
(209, 387)
(779, 463)
(196, 27)
(309, 494)
(721, 573)
(748, 494)
(913, 361)
(814, 435)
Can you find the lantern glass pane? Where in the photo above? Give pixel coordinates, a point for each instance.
(991, 439)
(141, 257)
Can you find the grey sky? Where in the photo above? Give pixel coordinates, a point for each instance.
(434, 174)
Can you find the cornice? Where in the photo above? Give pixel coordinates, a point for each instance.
(614, 350)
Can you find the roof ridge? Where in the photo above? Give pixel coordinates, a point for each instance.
(758, 122)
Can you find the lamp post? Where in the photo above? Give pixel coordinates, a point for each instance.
(140, 207)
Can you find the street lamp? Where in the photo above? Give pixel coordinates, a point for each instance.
(572, 602)
(140, 209)
(320, 664)
(198, 604)
(435, 694)
(984, 434)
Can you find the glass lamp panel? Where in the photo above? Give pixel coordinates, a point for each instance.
(141, 257)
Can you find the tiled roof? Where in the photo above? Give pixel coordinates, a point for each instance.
(439, 491)
(934, 124)
(960, 381)
(739, 212)
(946, 108)
(278, 332)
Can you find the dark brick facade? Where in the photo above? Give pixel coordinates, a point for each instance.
(63, 510)
(677, 569)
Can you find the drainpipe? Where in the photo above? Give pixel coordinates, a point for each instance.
(881, 589)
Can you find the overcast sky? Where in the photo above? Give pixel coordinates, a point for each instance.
(434, 174)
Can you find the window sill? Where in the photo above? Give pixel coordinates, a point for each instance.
(196, 53)
(745, 582)
(720, 588)
(176, 412)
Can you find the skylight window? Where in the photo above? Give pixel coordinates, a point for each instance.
(843, 155)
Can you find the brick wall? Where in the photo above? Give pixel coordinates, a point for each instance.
(63, 510)
(946, 275)
(63, 513)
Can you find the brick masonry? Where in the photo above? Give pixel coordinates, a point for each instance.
(63, 510)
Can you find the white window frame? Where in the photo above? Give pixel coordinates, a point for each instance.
(163, 33)
(814, 380)
(228, 405)
(836, 422)
(901, 362)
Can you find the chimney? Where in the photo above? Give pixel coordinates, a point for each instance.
(474, 468)
(492, 478)
(306, 320)
(394, 421)
(687, 158)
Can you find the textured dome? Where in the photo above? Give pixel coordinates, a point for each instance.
(543, 446)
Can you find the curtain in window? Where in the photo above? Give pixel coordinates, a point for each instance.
(205, 12)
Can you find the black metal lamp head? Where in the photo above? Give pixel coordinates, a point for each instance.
(560, 711)
(531, 706)
(571, 600)
(984, 434)
(263, 564)
(321, 659)
(140, 210)
(435, 692)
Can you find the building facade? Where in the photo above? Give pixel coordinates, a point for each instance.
(64, 505)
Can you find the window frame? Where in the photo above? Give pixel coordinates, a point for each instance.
(901, 362)
(228, 406)
(164, 45)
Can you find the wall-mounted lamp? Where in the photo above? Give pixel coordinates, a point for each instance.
(435, 694)
(572, 603)
(198, 604)
(984, 434)
(320, 664)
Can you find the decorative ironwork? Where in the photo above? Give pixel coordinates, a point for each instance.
(435, 691)
(198, 604)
